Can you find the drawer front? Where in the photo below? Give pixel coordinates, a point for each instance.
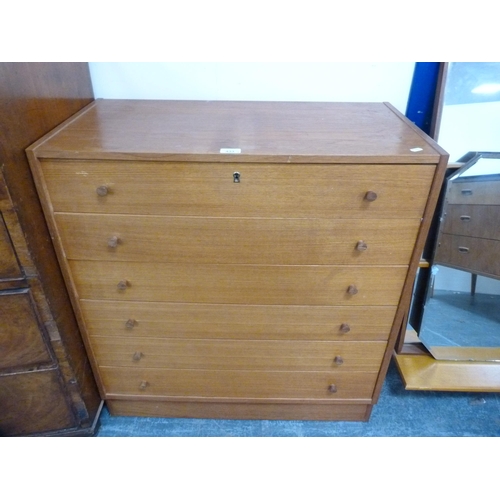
(234, 284)
(237, 384)
(21, 333)
(215, 321)
(474, 193)
(207, 189)
(268, 355)
(237, 241)
(473, 254)
(480, 221)
(9, 267)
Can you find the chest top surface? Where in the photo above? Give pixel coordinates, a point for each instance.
(228, 131)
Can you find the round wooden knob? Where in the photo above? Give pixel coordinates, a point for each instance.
(370, 196)
(122, 285)
(130, 323)
(113, 241)
(102, 190)
(352, 290)
(332, 388)
(137, 356)
(143, 385)
(338, 360)
(345, 328)
(361, 246)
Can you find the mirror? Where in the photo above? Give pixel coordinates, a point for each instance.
(460, 291)
(461, 317)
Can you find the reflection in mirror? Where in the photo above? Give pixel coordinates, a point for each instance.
(461, 319)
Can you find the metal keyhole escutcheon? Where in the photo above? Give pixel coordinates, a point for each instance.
(236, 177)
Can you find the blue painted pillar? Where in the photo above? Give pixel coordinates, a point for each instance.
(422, 94)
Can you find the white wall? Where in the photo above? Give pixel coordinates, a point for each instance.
(454, 280)
(363, 82)
(470, 127)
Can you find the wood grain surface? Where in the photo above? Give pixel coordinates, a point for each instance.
(310, 410)
(23, 340)
(9, 265)
(225, 321)
(208, 189)
(424, 373)
(238, 354)
(282, 132)
(238, 284)
(31, 403)
(201, 240)
(238, 384)
(35, 97)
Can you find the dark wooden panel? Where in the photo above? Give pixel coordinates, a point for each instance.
(21, 340)
(33, 402)
(34, 98)
(9, 267)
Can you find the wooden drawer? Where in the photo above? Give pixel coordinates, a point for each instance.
(237, 384)
(474, 193)
(21, 336)
(235, 284)
(481, 221)
(472, 254)
(269, 355)
(208, 189)
(237, 241)
(185, 321)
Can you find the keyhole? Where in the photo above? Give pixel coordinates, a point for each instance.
(236, 177)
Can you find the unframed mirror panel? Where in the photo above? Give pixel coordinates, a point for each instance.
(461, 315)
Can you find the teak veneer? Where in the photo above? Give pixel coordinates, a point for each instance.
(239, 259)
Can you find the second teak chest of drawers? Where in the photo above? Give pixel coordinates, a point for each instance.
(239, 259)
(469, 235)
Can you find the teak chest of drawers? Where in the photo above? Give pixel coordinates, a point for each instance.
(239, 259)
